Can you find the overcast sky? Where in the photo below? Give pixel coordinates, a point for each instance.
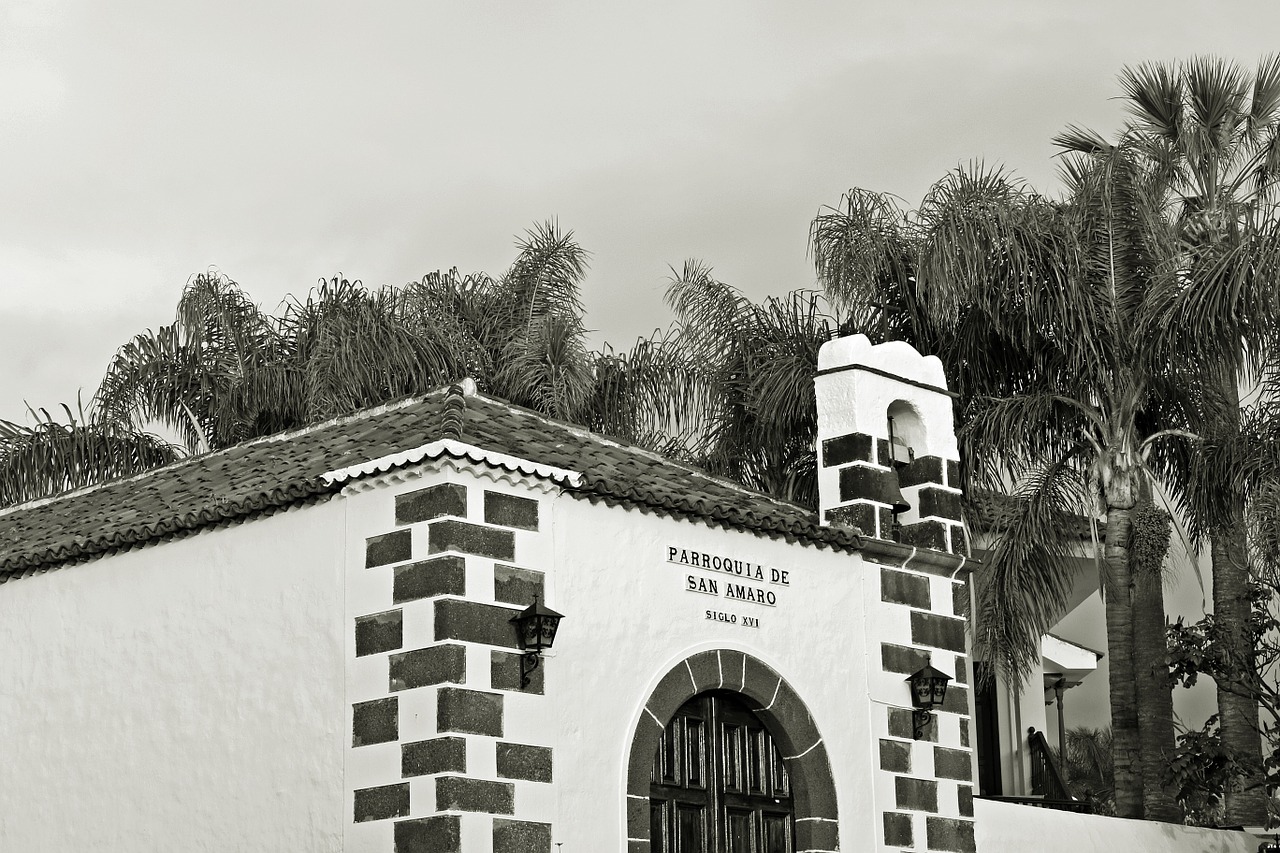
(142, 142)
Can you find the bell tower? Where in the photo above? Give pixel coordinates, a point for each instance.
(888, 462)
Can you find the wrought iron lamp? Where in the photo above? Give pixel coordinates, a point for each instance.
(928, 689)
(535, 630)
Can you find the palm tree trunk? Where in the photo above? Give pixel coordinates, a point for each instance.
(1246, 801)
(1124, 691)
(1150, 543)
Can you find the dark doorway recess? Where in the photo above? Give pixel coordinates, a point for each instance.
(986, 722)
(719, 783)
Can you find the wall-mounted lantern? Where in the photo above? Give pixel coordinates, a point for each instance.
(928, 689)
(535, 630)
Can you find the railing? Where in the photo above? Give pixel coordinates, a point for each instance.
(1046, 779)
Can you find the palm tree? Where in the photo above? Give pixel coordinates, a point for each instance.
(1211, 133)
(750, 399)
(52, 456)
(225, 371)
(1036, 307)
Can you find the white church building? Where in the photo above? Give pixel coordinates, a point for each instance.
(305, 643)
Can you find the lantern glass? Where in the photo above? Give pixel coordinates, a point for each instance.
(939, 690)
(547, 632)
(923, 693)
(529, 632)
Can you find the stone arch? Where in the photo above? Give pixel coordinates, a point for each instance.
(908, 427)
(777, 705)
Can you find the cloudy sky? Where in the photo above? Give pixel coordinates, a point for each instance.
(143, 142)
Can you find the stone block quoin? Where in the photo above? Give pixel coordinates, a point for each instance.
(379, 632)
(432, 502)
(841, 450)
(438, 755)
(380, 803)
(445, 575)
(446, 663)
(510, 511)
(375, 722)
(467, 538)
(393, 547)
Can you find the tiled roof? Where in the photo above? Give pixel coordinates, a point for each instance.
(267, 475)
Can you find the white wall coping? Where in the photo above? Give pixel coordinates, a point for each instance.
(452, 448)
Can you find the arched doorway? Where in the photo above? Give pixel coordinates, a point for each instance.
(719, 783)
(770, 701)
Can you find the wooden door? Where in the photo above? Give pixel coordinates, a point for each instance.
(719, 784)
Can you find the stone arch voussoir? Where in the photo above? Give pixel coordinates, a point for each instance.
(777, 704)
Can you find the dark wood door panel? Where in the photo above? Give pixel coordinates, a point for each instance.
(719, 784)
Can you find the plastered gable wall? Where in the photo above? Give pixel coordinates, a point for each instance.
(524, 769)
(446, 751)
(629, 618)
(184, 696)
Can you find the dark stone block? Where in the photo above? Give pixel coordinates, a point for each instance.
(518, 761)
(464, 794)
(469, 712)
(957, 700)
(939, 503)
(504, 674)
(424, 667)
(941, 632)
(381, 803)
(705, 669)
(380, 632)
(964, 731)
(473, 622)
(733, 666)
(960, 598)
(920, 795)
(521, 836)
(953, 473)
(860, 515)
(959, 539)
(897, 830)
(438, 755)
(388, 548)
(820, 836)
(882, 452)
(962, 669)
(375, 722)
(510, 511)
(922, 469)
(512, 585)
(924, 534)
(635, 845)
(432, 502)
(952, 764)
(809, 777)
(863, 481)
(949, 834)
(900, 725)
(904, 588)
(895, 756)
(903, 659)
(855, 447)
(451, 535)
(445, 575)
(887, 523)
(964, 797)
(438, 834)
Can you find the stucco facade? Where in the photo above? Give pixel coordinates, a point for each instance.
(305, 643)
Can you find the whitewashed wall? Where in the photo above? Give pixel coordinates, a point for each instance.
(629, 619)
(1002, 827)
(186, 696)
